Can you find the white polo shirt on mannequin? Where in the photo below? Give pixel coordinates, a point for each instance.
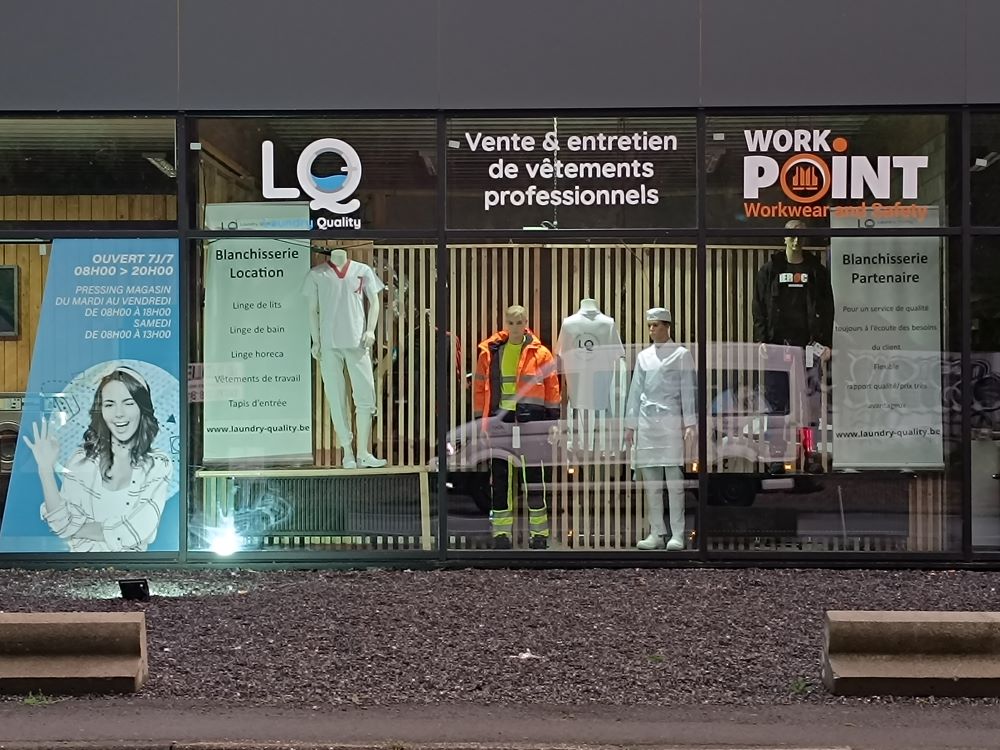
(340, 295)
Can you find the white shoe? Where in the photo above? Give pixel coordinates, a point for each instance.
(368, 461)
(348, 461)
(653, 541)
(675, 543)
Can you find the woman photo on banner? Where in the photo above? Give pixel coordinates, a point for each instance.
(114, 487)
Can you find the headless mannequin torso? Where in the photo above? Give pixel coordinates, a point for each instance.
(339, 259)
(591, 358)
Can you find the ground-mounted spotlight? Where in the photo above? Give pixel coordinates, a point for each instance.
(134, 589)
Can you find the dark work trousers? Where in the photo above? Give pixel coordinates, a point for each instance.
(509, 481)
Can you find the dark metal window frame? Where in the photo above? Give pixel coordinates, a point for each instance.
(960, 118)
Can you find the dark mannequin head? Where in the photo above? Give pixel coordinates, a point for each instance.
(793, 245)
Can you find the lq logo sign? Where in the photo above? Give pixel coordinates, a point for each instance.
(329, 193)
(818, 167)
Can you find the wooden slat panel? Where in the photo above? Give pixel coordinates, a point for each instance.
(593, 507)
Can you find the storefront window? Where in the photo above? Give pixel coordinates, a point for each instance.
(984, 383)
(571, 172)
(832, 368)
(94, 170)
(985, 177)
(354, 174)
(90, 454)
(584, 439)
(831, 171)
(313, 396)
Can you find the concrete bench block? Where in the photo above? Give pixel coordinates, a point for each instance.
(912, 653)
(72, 652)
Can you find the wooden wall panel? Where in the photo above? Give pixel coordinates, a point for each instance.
(33, 259)
(403, 358)
(219, 183)
(595, 503)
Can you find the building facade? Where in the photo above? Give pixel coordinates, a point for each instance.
(267, 267)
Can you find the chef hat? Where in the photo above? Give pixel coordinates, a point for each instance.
(658, 313)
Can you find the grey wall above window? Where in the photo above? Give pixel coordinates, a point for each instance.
(99, 55)
(115, 55)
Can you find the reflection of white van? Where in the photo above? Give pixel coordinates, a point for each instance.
(759, 433)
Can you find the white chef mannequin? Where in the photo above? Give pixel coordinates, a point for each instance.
(591, 357)
(342, 336)
(660, 421)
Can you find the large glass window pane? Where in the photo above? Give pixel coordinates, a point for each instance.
(353, 173)
(94, 170)
(831, 170)
(89, 396)
(831, 366)
(313, 397)
(540, 454)
(985, 177)
(571, 172)
(984, 381)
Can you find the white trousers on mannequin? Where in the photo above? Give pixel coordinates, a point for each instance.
(359, 368)
(653, 480)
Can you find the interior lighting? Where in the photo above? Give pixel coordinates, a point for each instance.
(225, 541)
(983, 162)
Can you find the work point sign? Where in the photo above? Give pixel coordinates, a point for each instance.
(813, 167)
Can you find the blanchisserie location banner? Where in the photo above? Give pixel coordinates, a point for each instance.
(887, 411)
(257, 369)
(98, 465)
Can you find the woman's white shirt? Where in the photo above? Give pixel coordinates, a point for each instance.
(129, 517)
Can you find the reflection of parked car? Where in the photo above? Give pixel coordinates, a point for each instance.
(753, 445)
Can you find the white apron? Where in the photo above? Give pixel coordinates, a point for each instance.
(661, 403)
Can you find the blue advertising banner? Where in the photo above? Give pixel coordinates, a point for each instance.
(98, 464)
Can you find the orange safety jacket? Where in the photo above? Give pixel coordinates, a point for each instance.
(537, 393)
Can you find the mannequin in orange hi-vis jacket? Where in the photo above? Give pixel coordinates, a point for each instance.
(516, 382)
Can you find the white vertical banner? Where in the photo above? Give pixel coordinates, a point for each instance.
(257, 369)
(887, 338)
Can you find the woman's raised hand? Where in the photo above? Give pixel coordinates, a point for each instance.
(45, 447)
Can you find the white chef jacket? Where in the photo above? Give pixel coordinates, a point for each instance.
(661, 403)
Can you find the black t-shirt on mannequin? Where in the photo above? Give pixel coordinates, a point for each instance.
(793, 302)
(791, 311)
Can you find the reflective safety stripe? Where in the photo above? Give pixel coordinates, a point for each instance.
(538, 518)
(502, 521)
(538, 522)
(477, 376)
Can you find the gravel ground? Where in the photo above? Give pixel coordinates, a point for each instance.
(300, 638)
